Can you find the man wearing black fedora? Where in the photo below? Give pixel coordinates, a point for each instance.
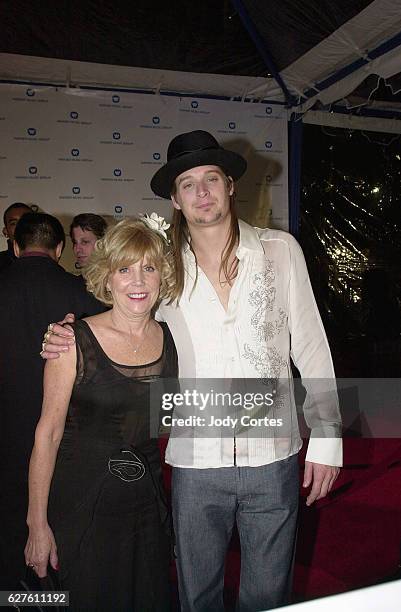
(243, 304)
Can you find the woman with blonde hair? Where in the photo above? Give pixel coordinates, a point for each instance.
(96, 506)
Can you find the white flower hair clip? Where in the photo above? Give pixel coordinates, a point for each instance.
(156, 223)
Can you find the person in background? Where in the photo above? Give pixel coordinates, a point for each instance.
(11, 216)
(105, 522)
(33, 291)
(85, 230)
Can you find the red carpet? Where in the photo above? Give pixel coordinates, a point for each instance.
(352, 538)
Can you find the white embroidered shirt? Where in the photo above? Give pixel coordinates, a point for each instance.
(271, 315)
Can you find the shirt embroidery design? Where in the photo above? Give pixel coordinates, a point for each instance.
(266, 359)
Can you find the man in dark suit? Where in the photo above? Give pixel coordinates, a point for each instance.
(33, 291)
(11, 216)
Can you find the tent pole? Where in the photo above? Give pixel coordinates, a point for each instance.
(295, 128)
(261, 47)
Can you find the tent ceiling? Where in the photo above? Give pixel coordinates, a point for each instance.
(203, 36)
(290, 28)
(306, 41)
(206, 36)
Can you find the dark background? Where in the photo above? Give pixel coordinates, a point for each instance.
(351, 235)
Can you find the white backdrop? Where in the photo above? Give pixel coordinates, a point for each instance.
(70, 150)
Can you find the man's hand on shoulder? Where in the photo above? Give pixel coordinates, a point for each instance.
(321, 477)
(58, 339)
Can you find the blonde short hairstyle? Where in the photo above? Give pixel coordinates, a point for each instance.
(123, 245)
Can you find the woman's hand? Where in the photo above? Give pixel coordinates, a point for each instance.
(58, 382)
(57, 338)
(40, 550)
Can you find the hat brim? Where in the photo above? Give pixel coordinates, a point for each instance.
(232, 163)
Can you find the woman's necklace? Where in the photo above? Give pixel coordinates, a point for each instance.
(141, 343)
(139, 346)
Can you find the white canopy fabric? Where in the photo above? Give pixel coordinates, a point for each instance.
(373, 26)
(30, 69)
(317, 73)
(377, 24)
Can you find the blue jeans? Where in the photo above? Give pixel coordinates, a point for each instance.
(263, 501)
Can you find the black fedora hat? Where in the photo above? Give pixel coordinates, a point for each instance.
(192, 149)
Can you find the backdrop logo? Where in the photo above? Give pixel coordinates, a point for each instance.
(74, 115)
(231, 125)
(115, 99)
(194, 104)
(269, 110)
(156, 120)
(118, 209)
(76, 190)
(268, 144)
(116, 135)
(30, 93)
(31, 131)
(117, 172)
(156, 156)
(32, 170)
(75, 152)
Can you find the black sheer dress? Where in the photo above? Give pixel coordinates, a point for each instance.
(106, 503)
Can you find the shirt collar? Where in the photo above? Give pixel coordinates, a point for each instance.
(248, 239)
(35, 254)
